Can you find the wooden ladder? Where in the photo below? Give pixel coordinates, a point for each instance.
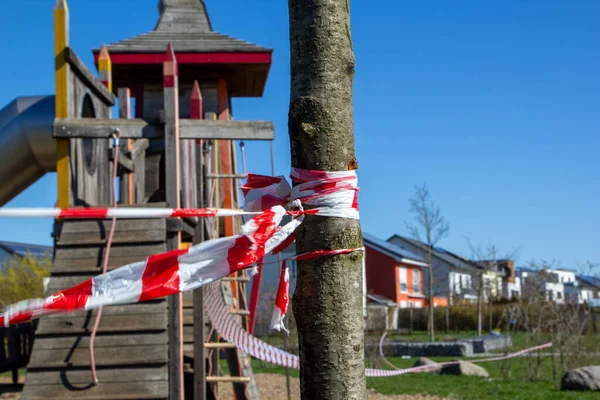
(238, 362)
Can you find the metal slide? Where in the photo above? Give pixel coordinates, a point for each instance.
(27, 148)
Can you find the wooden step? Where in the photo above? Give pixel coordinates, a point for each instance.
(104, 356)
(131, 390)
(62, 325)
(75, 253)
(81, 377)
(230, 379)
(93, 266)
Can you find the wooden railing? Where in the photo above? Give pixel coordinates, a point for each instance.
(16, 343)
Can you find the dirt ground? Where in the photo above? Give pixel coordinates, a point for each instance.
(270, 386)
(8, 391)
(273, 387)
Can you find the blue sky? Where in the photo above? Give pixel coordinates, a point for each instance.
(493, 104)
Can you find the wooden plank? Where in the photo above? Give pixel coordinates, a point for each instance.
(103, 225)
(100, 341)
(147, 308)
(79, 68)
(61, 42)
(105, 376)
(109, 324)
(139, 128)
(173, 197)
(142, 250)
(119, 237)
(87, 266)
(108, 356)
(134, 390)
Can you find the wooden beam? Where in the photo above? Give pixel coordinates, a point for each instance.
(139, 128)
(172, 185)
(199, 331)
(79, 68)
(61, 42)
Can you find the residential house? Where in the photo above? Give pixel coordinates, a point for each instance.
(550, 283)
(499, 279)
(455, 278)
(584, 290)
(394, 273)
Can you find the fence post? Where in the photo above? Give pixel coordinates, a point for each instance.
(447, 319)
(410, 319)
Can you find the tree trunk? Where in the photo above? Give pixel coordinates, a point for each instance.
(430, 325)
(327, 302)
(490, 313)
(480, 306)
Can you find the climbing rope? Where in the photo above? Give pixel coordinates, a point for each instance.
(115, 149)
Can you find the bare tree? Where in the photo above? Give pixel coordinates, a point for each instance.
(327, 301)
(430, 228)
(487, 258)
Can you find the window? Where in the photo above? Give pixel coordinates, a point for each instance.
(403, 280)
(559, 295)
(416, 281)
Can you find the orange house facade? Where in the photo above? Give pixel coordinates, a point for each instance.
(394, 273)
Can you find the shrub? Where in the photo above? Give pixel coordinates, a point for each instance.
(23, 278)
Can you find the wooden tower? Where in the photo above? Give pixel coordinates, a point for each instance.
(177, 149)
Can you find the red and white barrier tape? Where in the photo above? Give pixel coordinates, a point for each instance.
(122, 213)
(164, 274)
(332, 194)
(230, 329)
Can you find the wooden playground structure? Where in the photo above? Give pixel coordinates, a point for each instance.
(177, 148)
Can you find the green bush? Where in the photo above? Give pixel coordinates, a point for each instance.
(23, 278)
(460, 318)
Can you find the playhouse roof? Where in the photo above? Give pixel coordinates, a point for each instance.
(185, 25)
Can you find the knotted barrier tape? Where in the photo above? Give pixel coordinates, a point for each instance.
(184, 270)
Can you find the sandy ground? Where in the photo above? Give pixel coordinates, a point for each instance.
(273, 387)
(270, 386)
(8, 391)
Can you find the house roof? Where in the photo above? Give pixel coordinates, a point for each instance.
(186, 25)
(381, 300)
(10, 250)
(440, 253)
(590, 280)
(397, 253)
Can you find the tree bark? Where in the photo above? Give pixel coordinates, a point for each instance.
(327, 302)
(480, 306)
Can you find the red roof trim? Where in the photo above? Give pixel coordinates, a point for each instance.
(190, 58)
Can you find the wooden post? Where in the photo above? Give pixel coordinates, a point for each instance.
(410, 321)
(105, 68)
(61, 42)
(225, 154)
(199, 355)
(447, 319)
(127, 195)
(172, 185)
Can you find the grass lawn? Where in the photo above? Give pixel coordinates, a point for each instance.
(462, 387)
(22, 371)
